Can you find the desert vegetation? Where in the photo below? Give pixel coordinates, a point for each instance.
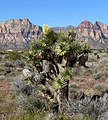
(58, 78)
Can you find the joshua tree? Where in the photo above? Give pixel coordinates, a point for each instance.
(52, 56)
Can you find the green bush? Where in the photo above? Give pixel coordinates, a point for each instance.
(14, 55)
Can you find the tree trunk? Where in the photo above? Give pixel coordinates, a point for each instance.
(64, 91)
(63, 96)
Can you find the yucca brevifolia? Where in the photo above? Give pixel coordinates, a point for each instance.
(68, 47)
(44, 55)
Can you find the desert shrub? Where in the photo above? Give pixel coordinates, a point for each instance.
(103, 62)
(31, 103)
(8, 70)
(12, 75)
(9, 64)
(2, 70)
(97, 76)
(88, 72)
(20, 63)
(92, 58)
(72, 90)
(2, 77)
(73, 86)
(94, 109)
(99, 87)
(50, 116)
(14, 55)
(80, 70)
(27, 96)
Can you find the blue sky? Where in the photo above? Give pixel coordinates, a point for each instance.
(55, 12)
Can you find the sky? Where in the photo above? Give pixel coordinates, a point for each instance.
(55, 12)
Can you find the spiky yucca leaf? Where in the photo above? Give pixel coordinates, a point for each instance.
(62, 79)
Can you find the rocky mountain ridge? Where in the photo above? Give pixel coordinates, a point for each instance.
(18, 33)
(96, 34)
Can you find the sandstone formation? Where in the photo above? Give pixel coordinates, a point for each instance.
(17, 33)
(96, 34)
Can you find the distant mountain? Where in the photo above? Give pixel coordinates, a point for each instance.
(18, 33)
(96, 34)
(63, 28)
